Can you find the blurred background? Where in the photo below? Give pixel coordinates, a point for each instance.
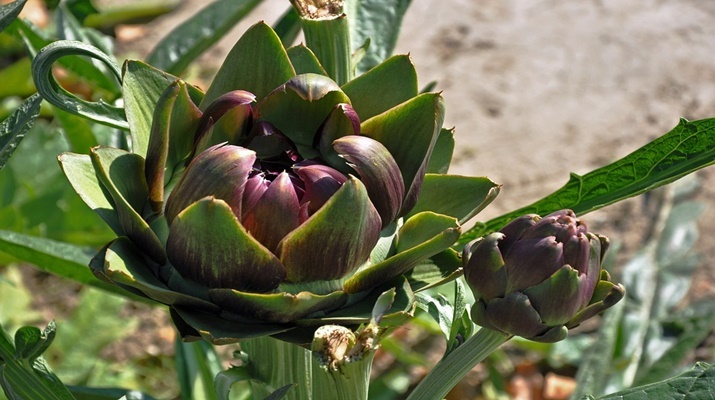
(535, 89)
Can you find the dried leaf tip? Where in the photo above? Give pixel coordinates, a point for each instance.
(319, 9)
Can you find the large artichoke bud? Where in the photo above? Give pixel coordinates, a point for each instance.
(279, 201)
(538, 277)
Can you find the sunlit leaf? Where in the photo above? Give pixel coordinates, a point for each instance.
(81, 9)
(461, 197)
(442, 155)
(128, 13)
(257, 63)
(440, 309)
(383, 87)
(68, 28)
(594, 368)
(143, 85)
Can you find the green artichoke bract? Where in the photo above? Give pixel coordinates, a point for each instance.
(278, 201)
(538, 277)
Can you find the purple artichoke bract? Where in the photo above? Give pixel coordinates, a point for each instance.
(273, 192)
(538, 277)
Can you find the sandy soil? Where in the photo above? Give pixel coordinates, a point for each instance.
(538, 89)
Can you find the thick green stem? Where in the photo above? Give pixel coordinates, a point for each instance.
(350, 381)
(342, 364)
(450, 370)
(330, 41)
(277, 364)
(327, 34)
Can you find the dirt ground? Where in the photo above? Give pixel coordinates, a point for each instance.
(538, 89)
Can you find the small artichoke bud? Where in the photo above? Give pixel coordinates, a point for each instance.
(538, 277)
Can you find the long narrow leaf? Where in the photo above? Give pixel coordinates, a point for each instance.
(697, 383)
(13, 129)
(687, 148)
(52, 92)
(61, 259)
(9, 12)
(185, 43)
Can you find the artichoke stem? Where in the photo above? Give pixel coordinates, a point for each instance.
(450, 370)
(350, 381)
(327, 34)
(277, 363)
(338, 367)
(342, 363)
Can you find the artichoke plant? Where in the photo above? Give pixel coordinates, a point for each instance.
(538, 277)
(278, 201)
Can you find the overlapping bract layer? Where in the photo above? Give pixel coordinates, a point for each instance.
(271, 212)
(538, 277)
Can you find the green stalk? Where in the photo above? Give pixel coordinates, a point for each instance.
(277, 363)
(350, 381)
(342, 362)
(327, 34)
(450, 370)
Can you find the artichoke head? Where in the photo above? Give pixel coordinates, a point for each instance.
(278, 201)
